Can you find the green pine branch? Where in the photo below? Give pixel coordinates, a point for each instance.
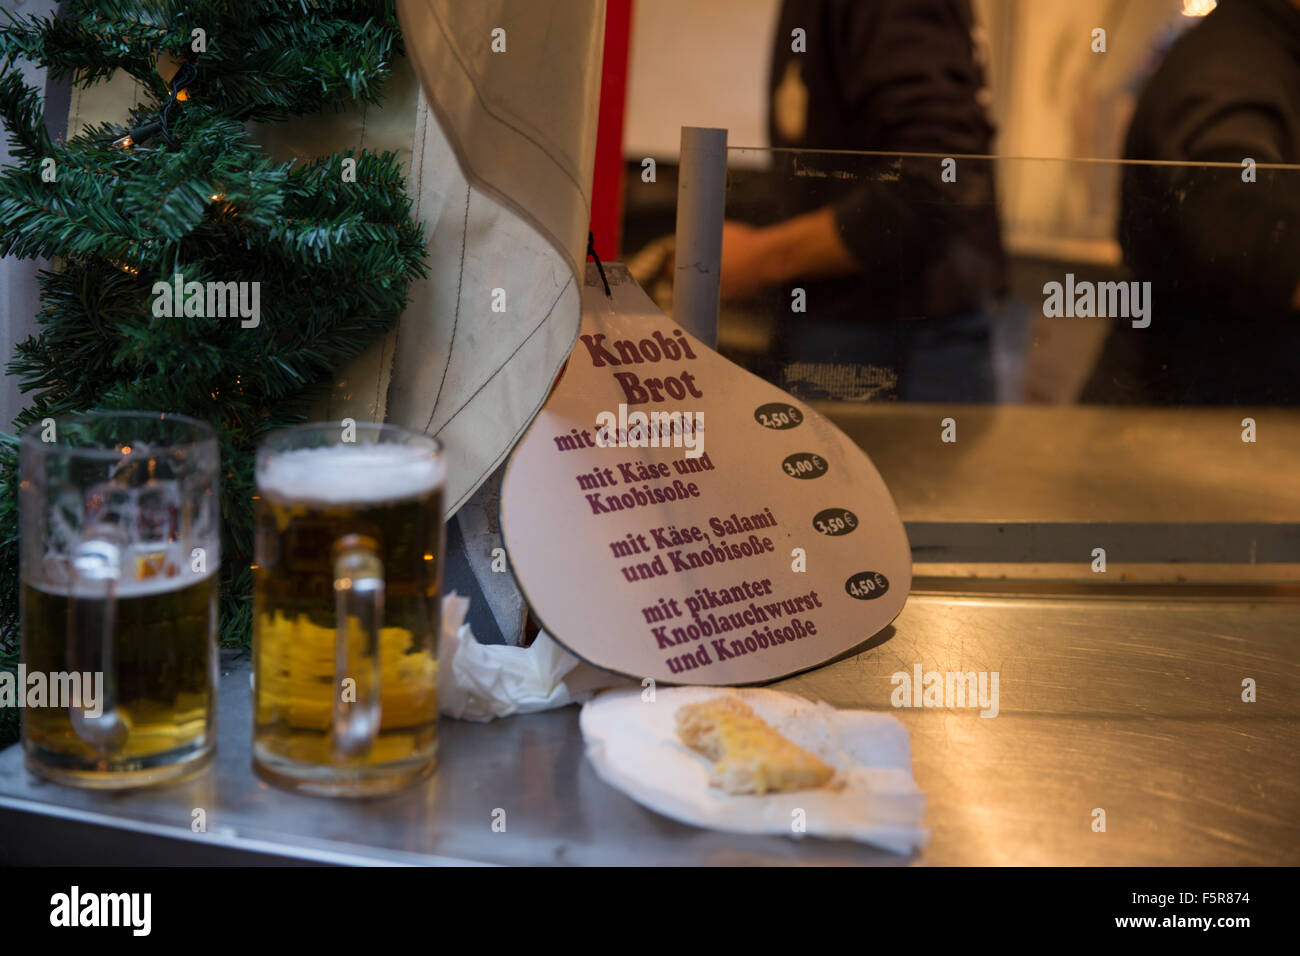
(24, 118)
(263, 61)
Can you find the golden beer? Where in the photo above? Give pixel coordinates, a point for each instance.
(165, 658)
(120, 550)
(346, 609)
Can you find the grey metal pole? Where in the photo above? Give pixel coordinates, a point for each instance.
(701, 200)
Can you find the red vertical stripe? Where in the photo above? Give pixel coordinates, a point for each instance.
(607, 187)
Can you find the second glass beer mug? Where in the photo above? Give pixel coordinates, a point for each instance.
(347, 607)
(120, 551)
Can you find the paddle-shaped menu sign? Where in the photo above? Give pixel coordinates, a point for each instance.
(669, 515)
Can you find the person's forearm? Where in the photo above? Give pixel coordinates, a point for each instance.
(807, 245)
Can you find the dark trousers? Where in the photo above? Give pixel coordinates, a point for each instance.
(914, 360)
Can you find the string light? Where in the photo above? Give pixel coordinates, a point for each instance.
(223, 207)
(183, 77)
(138, 135)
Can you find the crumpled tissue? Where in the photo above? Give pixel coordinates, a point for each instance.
(484, 681)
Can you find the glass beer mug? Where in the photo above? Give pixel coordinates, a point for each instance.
(120, 547)
(346, 609)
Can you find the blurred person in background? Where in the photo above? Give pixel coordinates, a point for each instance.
(1222, 254)
(898, 266)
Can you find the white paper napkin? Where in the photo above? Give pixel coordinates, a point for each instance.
(633, 745)
(485, 681)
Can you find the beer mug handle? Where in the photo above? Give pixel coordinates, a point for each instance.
(92, 641)
(358, 593)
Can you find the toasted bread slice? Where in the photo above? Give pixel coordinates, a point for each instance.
(750, 756)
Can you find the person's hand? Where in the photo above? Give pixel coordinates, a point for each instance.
(807, 245)
(744, 261)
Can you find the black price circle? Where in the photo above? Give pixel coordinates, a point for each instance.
(804, 464)
(835, 522)
(778, 416)
(867, 585)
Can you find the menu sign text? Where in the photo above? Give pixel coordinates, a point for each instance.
(669, 515)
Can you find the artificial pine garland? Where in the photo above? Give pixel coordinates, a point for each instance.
(183, 189)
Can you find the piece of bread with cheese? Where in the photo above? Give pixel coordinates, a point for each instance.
(750, 756)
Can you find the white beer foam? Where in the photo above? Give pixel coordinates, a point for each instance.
(351, 474)
(53, 580)
(129, 587)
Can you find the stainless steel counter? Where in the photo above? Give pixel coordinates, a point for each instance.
(1131, 706)
(1027, 492)
(1107, 700)
(1081, 463)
